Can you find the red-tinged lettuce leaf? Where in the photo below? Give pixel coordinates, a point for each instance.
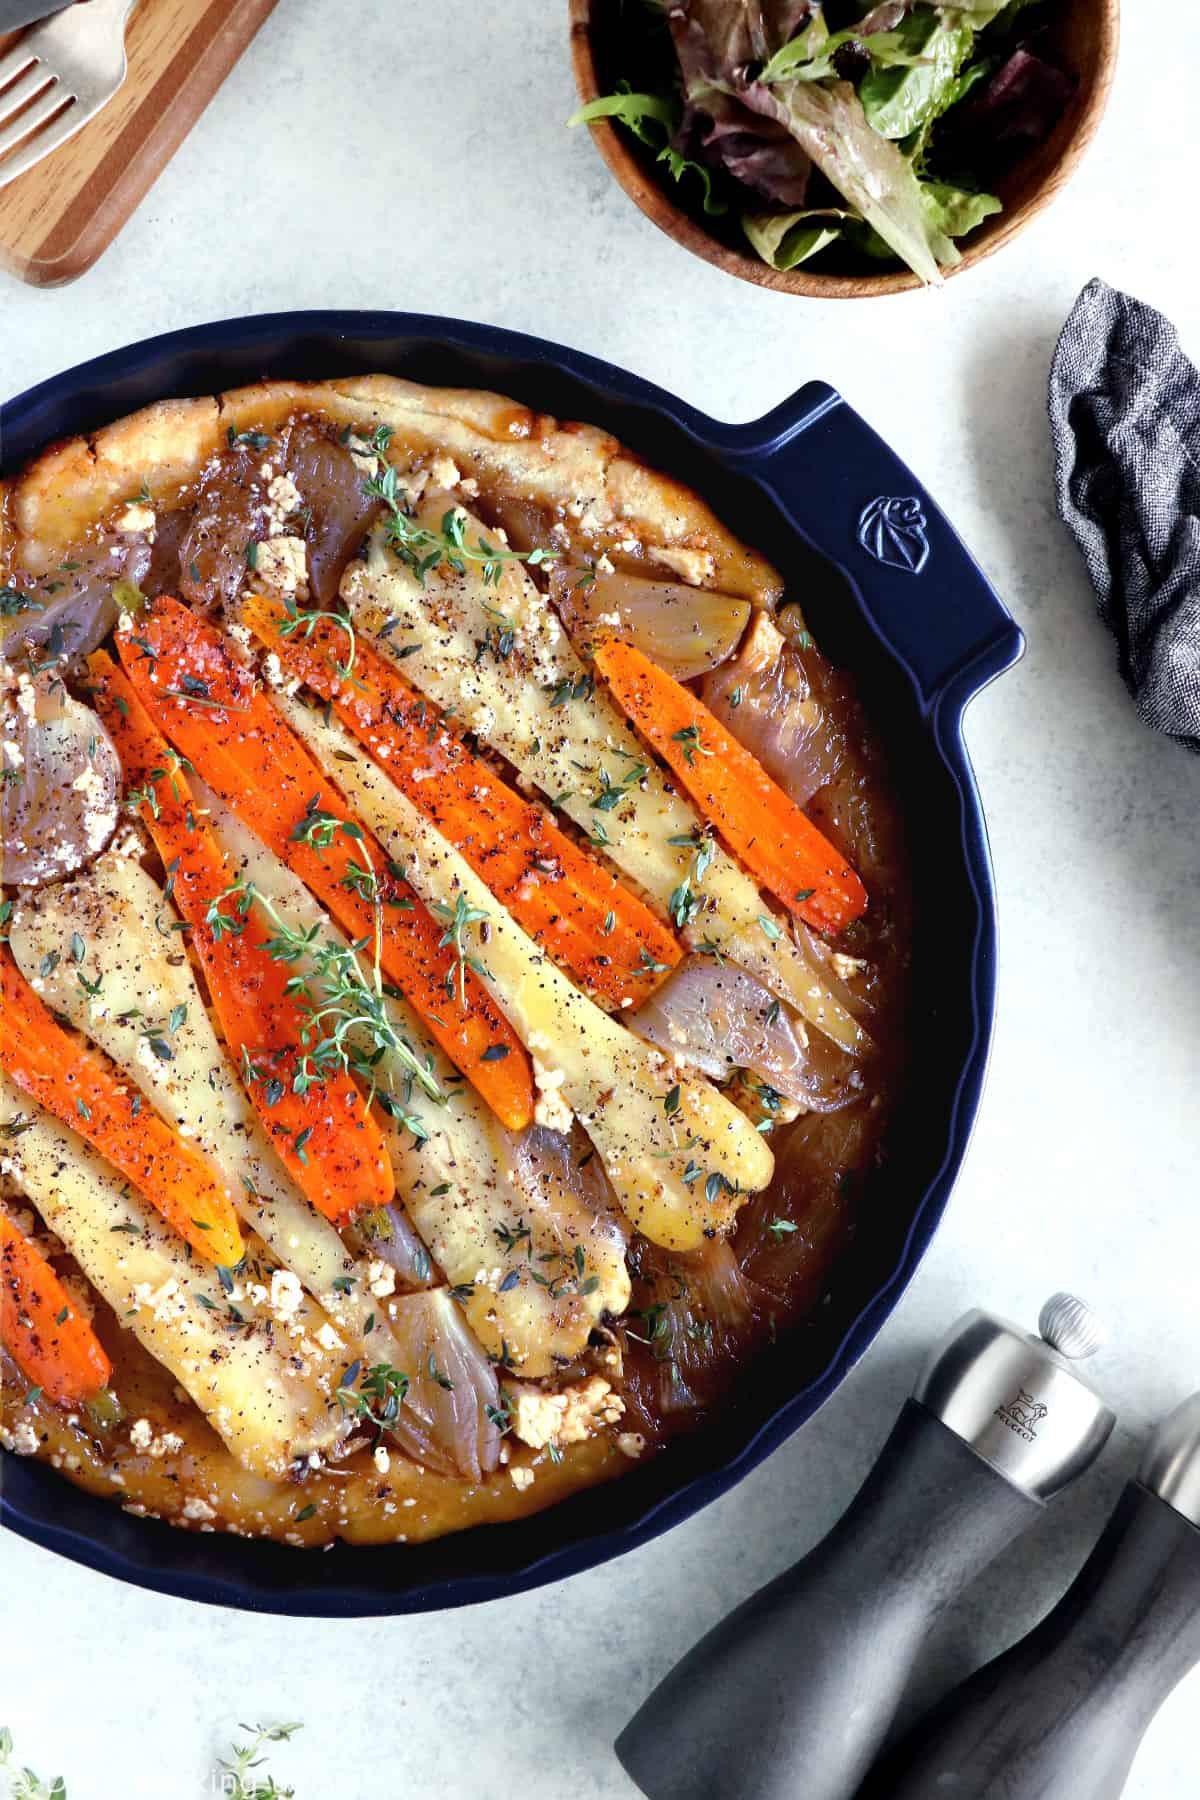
(759, 154)
(1004, 119)
(717, 129)
(884, 17)
(738, 33)
(869, 171)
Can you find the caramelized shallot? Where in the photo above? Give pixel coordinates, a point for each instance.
(697, 1308)
(784, 702)
(447, 1418)
(59, 784)
(336, 507)
(387, 1235)
(685, 630)
(72, 610)
(718, 1018)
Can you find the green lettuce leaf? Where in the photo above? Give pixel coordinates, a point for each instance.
(654, 119)
(785, 240)
(898, 99)
(954, 210)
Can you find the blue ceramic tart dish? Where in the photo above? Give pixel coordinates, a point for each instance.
(893, 596)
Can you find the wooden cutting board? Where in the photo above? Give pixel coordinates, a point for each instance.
(58, 217)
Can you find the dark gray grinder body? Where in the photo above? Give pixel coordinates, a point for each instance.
(792, 1696)
(1060, 1716)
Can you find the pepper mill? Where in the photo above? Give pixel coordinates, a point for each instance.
(1060, 1716)
(793, 1694)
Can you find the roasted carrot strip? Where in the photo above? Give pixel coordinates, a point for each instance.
(42, 1331)
(324, 1133)
(781, 848)
(81, 1089)
(206, 702)
(568, 903)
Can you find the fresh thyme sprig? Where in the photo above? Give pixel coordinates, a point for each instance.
(685, 902)
(611, 793)
(375, 1394)
(23, 1783)
(247, 1760)
(423, 548)
(348, 1027)
(457, 921)
(305, 623)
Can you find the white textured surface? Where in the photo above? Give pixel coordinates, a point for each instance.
(410, 157)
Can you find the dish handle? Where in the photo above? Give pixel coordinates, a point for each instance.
(919, 587)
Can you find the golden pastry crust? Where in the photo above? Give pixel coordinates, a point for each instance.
(612, 500)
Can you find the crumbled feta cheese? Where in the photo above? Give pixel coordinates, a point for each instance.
(167, 1303)
(196, 1508)
(630, 1443)
(567, 1417)
(141, 1434)
(693, 566)
(365, 459)
(137, 518)
(445, 472)
(381, 1279)
(847, 967)
(13, 754)
(284, 495)
(241, 638)
(287, 1296)
(282, 563)
(23, 1439)
(328, 1338)
(551, 1110)
(605, 566)
(520, 1478)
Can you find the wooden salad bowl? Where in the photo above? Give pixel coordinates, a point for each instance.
(1086, 38)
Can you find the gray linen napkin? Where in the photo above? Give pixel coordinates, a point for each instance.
(1125, 414)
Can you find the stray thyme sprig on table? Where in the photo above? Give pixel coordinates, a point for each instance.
(245, 1769)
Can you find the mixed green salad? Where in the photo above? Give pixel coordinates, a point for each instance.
(838, 129)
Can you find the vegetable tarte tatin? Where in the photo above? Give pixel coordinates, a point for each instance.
(454, 947)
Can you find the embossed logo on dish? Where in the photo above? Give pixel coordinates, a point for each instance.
(893, 531)
(1023, 1415)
